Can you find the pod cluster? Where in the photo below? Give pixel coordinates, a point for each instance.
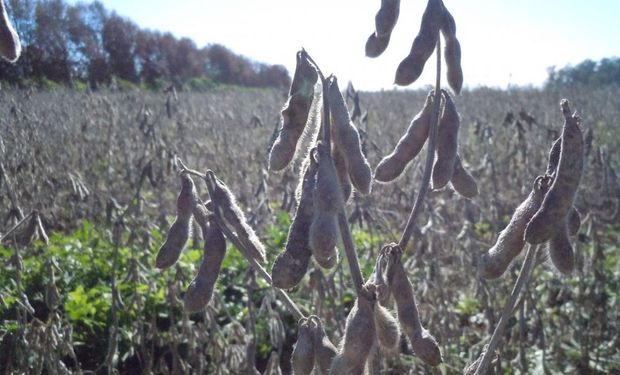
(548, 214)
(435, 18)
(448, 166)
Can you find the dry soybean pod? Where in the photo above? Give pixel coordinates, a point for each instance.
(561, 251)
(200, 290)
(347, 138)
(328, 200)
(409, 145)
(559, 200)
(424, 43)
(224, 201)
(386, 17)
(462, 181)
(422, 342)
(452, 52)
(291, 265)
(295, 113)
(510, 241)
(302, 358)
(10, 46)
(359, 335)
(376, 45)
(447, 143)
(324, 350)
(388, 331)
(340, 162)
(574, 218)
(179, 232)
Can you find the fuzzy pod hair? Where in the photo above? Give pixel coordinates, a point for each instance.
(559, 200)
(295, 113)
(447, 143)
(462, 181)
(302, 358)
(410, 69)
(291, 265)
(359, 336)
(386, 17)
(200, 290)
(224, 201)
(10, 46)
(561, 251)
(324, 350)
(180, 230)
(328, 201)
(511, 241)
(376, 45)
(451, 52)
(409, 145)
(423, 343)
(388, 331)
(347, 138)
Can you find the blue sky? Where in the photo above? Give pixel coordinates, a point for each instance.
(504, 42)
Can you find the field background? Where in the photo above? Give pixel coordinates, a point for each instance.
(88, 161)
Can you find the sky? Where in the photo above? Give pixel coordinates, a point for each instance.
(504, 42)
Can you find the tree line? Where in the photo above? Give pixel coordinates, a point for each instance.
(87, 43)
(588, 72)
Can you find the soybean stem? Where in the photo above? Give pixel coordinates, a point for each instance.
(524, 276)
(430, 156)
(349, 249)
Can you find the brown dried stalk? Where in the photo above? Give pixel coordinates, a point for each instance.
(430, 157)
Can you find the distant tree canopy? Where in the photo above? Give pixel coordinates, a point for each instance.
(85, 42)
(588, 72)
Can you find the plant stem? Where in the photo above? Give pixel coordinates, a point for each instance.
(22, 221)
(430, 157)
(349, 249)
(524, 276)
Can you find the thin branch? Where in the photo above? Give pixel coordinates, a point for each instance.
(349, 249)
(430, 157)
(498, 333)
(22, 221)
